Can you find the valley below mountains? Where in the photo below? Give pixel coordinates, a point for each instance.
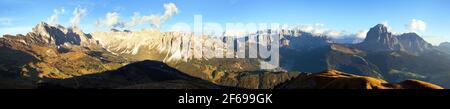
(55, 57)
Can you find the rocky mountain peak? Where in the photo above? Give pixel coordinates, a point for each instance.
(445, 44)
(59, 35)
(380, 39)
(381, 28)
(413, 43)
(379, 33)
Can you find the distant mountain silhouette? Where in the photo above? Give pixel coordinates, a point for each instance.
(380, 39)
(445, 47)
(306, 41)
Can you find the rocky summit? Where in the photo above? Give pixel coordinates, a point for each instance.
(380, 39)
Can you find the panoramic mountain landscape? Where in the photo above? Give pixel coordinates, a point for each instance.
(59, 57)
(195, 45)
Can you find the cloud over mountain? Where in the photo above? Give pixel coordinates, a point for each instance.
(362, 34)
(155, 20)
(387, 25)
(77, 14)
(416, 25)
(55, 16)
(112, 19)
(319, 29)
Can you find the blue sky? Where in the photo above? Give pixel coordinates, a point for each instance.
(352, 16)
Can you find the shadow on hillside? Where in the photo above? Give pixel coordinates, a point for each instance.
(11, 63)
(139, 75)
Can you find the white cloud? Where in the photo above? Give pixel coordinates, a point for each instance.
(319, 29)
(416, 25)
(339, 36)
(5, 21)
(362, 34)
(55, 16)
(171, 9)
(77, 14)
(389, 28)
(334, 34)
(386, 24)
(112, 19)
(135, 20)
(155, 20)
(314, 28)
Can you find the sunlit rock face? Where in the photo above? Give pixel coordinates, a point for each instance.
(59, 35)
(152, 44)
(332, 79)
(52, 51)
